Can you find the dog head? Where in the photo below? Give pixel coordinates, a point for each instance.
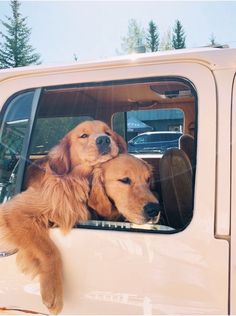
(123, 183)
(86, 146)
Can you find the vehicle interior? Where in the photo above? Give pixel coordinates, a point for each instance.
(130, 107)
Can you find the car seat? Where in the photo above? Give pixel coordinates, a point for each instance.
(176, 177)
(186, 143)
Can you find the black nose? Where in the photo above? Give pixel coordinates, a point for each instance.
(103, 140)
(103, 144)
(152, 209)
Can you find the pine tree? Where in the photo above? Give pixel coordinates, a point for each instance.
(166, 41)
(212, 39)
(152, 39)
(15, 51)
(178, 37)
(135, 40)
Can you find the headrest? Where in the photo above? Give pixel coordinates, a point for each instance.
(186, 143)
(176, 186)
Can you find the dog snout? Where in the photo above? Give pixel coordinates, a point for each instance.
(151, 210)
(103, 144)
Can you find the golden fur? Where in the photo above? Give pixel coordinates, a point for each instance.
(121, 186)
(57, 191)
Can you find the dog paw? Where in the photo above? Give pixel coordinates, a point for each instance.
(52, 297)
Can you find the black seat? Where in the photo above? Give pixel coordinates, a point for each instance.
(176, 179)
(186, 143)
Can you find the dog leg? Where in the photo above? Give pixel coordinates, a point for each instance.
(51, 281)
(42, 258)
(24, 225)
(52, 292)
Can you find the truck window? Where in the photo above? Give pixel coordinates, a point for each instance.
(154, 107)
(156, 115)
(13, 130)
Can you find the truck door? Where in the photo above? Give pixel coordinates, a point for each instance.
(120, 268)
(233, 204)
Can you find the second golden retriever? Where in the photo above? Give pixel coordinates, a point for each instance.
(121, 186)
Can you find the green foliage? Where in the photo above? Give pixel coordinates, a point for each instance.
(135, 40)
(15, 51)
(152, 38)
(138, 40)
(178, 37)
(166, 41)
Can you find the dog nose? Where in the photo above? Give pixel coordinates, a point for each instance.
(103, 144)
(152, 209)
(103, 140)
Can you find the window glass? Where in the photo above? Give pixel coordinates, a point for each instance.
(49, 131)
(141, 139)
(13, 130)
(151, 131)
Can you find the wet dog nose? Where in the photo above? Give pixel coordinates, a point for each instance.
(103, 144)
(152, 209)
(103, 140)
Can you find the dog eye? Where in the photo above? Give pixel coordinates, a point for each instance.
(125, 180)
(107, 133)
(84, 136)
(148, 179)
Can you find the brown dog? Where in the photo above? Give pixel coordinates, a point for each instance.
(57, 191)
(121, 186)
(86, 146)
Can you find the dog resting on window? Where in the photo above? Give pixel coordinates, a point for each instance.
(57, 191)
(121, 187)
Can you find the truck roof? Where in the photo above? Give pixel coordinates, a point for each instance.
(213, 58)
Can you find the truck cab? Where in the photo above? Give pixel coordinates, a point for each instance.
(186, 263)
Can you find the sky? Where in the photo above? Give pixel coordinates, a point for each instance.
(94, 29)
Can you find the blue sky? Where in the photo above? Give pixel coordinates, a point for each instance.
(94, 29)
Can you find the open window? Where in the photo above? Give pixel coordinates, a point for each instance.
(156, 116)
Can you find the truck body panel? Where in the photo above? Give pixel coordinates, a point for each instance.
(120, 272)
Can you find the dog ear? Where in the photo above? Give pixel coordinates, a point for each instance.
(121, 143)
(98, 199)
(151, 173)
(59, 157)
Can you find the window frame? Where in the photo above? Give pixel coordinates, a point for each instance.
(27, 137)
(35, 106)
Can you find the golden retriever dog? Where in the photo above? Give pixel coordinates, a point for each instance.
(121, 186)
(86, 146)
(57, 192)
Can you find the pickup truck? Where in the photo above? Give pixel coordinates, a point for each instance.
(186, 263)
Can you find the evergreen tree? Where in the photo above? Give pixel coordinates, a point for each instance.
(166, 41)
(135, 40)
(212, 39)
(15, 51)
(178, 37)
(152, 39)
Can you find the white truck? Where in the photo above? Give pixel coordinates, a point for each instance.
(186, 264)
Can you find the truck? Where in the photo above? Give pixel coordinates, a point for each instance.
(186, 263)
